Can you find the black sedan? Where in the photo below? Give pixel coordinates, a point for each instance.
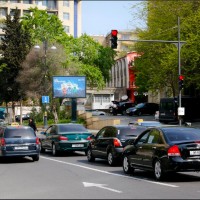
(164, 150)
(109, 142)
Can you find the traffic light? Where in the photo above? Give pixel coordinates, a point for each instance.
(114, 39)
(180, 82)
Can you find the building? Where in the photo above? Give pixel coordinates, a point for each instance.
(68, 11)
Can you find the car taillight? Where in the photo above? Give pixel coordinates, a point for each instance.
(62, 138)
(117, 142)
(174, 151)
(89, 138)
(3, 142)
(37, 140)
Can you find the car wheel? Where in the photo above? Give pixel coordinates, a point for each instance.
(158, 171)
(126, 166)
(110, 159)
(90, 157)
(54, 150)
(36, 157)
(42, 150)
(124, 112)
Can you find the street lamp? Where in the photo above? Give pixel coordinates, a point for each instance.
(45, 47)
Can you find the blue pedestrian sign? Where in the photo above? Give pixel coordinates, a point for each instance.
(45, 99)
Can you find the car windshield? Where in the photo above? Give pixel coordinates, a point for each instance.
(72, 128)
(19, 133)
(182, 134)
(140, 105)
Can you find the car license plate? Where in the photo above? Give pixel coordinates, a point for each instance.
(77, 145)
(21, 148)
(194, 153)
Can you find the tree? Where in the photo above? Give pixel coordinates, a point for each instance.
(15, 46)
(161, 17)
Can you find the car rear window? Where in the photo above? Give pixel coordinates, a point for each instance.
(184, 134)
(72, 128)
(19, 132)
(130, 131)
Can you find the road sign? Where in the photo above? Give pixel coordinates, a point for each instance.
(181, 111)
(45, 99)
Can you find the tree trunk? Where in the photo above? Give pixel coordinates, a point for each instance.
(55, 114)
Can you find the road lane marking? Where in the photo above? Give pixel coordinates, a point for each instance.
(102, 186)
(110, 173)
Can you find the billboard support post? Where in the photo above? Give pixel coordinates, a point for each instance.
(74, 108)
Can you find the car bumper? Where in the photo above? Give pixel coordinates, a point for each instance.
(72, 146)
(180, 165)
(20, 153)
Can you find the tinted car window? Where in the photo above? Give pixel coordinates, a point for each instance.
(177, 135)
(130, 130)
(110, 132)
(72, 128)
(21, 133)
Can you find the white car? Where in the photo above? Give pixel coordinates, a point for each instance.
(96, 112)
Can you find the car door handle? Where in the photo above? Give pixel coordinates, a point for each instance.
(153, 147)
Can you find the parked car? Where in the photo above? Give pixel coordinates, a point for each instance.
(143, 108)
(164, 150)
(24, 117)
(109, 142)
(19, 141)
(120, 107)
(65, 138)
(96, 112)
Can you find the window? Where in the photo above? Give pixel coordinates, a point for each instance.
(26, 12)
(66, 29)
(27, 1)
(110, 132)
(3, 12)
(66, 3)
(66, 16)
(101, 133)
(154, 137)
(15, 1)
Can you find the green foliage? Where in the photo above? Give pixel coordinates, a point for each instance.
(157, 67)
(15, 46)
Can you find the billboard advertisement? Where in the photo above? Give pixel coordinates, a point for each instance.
(69, 86)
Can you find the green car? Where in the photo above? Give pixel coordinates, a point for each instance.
(65, 138)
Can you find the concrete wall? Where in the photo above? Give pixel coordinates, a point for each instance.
(95, 123)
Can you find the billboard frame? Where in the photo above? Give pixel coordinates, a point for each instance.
(69, 86)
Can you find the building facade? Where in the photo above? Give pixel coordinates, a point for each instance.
(68, 11)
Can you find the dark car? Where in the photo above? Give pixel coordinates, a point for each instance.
(19, 141)
(120, 107)
(143, 108)
(164, 150)
(65, 138)
(109, 142)
(24, 117)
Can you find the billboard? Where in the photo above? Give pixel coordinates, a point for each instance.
(69, 86)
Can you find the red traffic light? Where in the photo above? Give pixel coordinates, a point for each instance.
(181, 77)
(114, 32)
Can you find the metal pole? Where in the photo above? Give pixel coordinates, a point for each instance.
(45, 86)
(179, 66)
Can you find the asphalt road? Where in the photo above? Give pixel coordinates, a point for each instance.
(71, 176)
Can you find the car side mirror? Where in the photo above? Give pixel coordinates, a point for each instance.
(43, 133)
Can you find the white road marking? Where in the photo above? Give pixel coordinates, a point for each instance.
(102, 186)
(110, 173)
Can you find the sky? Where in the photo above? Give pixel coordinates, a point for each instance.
(100, 17)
